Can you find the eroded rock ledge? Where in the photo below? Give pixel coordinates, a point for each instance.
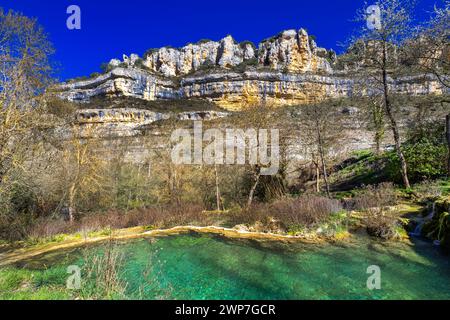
(288, 69)
(232, 90)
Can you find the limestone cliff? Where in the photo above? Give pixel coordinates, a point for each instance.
(287, 69)
(294, 52)
(172, 62)
(232, 90)
(291, 50)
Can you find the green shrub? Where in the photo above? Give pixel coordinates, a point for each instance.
(140, 64)
(244, 65)
(426, 160)
(439, 227)
(149, 52)
(95, 75)
(105, 67)
(202, 41)
(246, 42)
(425, 151)
(77, 79)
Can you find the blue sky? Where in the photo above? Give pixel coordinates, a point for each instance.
(111, 28)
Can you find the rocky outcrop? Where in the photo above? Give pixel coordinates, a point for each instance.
(233, 90)
(294, 51)
(139, 116)
(172, 62)
(291, 50)
(288, 69)
(129, 122)
(129, 115)
(120, 81)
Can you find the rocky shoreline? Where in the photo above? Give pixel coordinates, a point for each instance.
(9, 255)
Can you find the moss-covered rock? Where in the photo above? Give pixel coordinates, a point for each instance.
(439, 227)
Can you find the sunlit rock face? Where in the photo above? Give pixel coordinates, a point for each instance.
(129, 122)
(287, 69)
(128, 82)
(291, 50)
(294, 52)
(235, 91)
(172, 62)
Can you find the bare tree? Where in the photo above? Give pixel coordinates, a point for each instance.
(321, 131)
(379, 60)
(447, 129)
(428, 48)
(83, 168)
(377, 116)
(25, 73)
(255, 117)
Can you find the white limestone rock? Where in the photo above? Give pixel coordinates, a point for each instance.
(292, 51)
(114, 63)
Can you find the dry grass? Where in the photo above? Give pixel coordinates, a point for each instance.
(382, 226)
(103, 272)
(283, 215)
(380, 196)
(306, 210)
(287, 213)
(156, 217)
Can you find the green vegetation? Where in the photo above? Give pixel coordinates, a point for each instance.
(101, 279)
(245, 43)
(24, 284)
(244, 66)
(426, 154)
(203, 41)
(439, 227)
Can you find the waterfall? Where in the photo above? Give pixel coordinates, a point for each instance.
(418, 230)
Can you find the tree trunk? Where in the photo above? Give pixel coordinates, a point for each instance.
(447, 126)
(217, 188)
(71, 208)
(316, 165)
(378, 116)
(322, 159)
(394, 125)
(253, 189)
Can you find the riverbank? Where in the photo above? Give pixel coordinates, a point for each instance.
(198, 266)
(339, 228)
(10, 254)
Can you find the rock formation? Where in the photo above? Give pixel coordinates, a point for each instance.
(232, 90)
(288, 69)
(291, 50)
(294, 52)
(172, 62)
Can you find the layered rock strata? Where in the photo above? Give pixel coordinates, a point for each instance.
(235, 91)
(288, 69)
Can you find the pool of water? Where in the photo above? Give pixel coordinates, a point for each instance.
(199, 266)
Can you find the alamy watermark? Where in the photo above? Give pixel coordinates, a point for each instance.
(229, 146)
(73, 22)
(74, 280)
(374, 280)
(373, 17)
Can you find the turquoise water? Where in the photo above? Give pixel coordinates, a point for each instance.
(195, 266)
